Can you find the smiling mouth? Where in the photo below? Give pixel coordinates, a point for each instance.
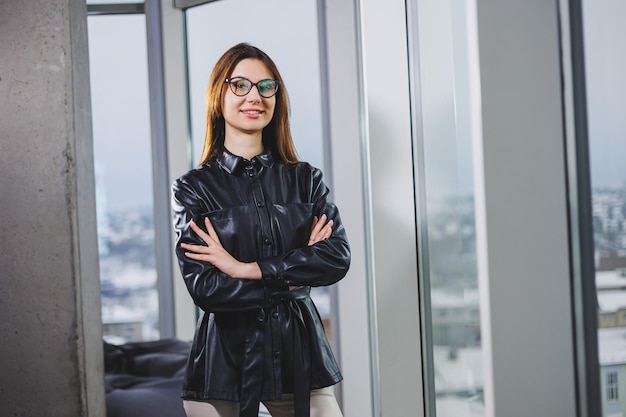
(251, 111)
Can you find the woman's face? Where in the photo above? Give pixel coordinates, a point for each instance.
(248, 114)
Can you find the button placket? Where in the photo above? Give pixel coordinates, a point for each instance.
(250, 171)
(276, 347)
(258, 197)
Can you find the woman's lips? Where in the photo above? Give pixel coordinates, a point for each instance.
(253, 114)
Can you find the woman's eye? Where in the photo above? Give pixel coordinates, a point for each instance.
(267, 86)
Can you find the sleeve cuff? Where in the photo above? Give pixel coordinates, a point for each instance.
(272, 272)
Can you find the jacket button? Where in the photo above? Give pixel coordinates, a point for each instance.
(260, 204)
(267, 241)
(276, 354)
(275, 314)
(251, 173)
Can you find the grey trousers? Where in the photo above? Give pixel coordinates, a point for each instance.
(323, 404)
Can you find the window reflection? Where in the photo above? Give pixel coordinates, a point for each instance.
(122, 153)
(446, 197)
(605, 65)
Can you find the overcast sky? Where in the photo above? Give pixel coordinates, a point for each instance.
(605, 57)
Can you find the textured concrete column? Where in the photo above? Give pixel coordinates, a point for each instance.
(50, 328)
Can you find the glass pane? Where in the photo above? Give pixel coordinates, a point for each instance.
(454, 369)
(605, 66)
(122, 152)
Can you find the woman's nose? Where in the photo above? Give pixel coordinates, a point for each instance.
(253, 95)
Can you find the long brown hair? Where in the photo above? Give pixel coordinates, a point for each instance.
(276, 135)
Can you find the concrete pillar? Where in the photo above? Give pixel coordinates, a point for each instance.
(50, 326)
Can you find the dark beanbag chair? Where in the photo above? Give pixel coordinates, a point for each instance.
(144, 379)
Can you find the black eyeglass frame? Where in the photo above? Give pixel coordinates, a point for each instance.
(256, 84)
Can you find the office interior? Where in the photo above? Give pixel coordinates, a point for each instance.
(474, 148)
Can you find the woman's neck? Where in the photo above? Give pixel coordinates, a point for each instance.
(246, 146)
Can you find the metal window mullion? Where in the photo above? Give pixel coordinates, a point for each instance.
(421, 221)
(160, 170)
(580, 196)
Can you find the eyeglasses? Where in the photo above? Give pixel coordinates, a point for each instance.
(241, 86)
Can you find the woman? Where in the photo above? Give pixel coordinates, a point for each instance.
(256, 229)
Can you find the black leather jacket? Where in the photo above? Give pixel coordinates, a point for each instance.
(256, 340)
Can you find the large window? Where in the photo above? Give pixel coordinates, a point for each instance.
(124, 185)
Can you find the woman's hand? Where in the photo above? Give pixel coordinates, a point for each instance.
(215, 254)
(321, 229)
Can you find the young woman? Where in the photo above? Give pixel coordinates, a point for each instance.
(255, 229)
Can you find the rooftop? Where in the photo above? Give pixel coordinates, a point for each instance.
(611, 279)
(612, 346)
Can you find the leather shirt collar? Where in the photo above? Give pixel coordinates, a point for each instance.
(234, 164)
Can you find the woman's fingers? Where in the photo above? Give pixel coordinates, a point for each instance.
(211, 230)
(199, 256)
(321, 229)
(314, 223)
(211, 238)
(215, 254)
(317, 225)
(201, 233)
(327, 230)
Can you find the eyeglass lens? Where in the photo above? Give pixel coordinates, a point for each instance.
(242, 86)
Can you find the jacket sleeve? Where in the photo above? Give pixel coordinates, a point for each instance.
(211, 289)
(323, 263)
